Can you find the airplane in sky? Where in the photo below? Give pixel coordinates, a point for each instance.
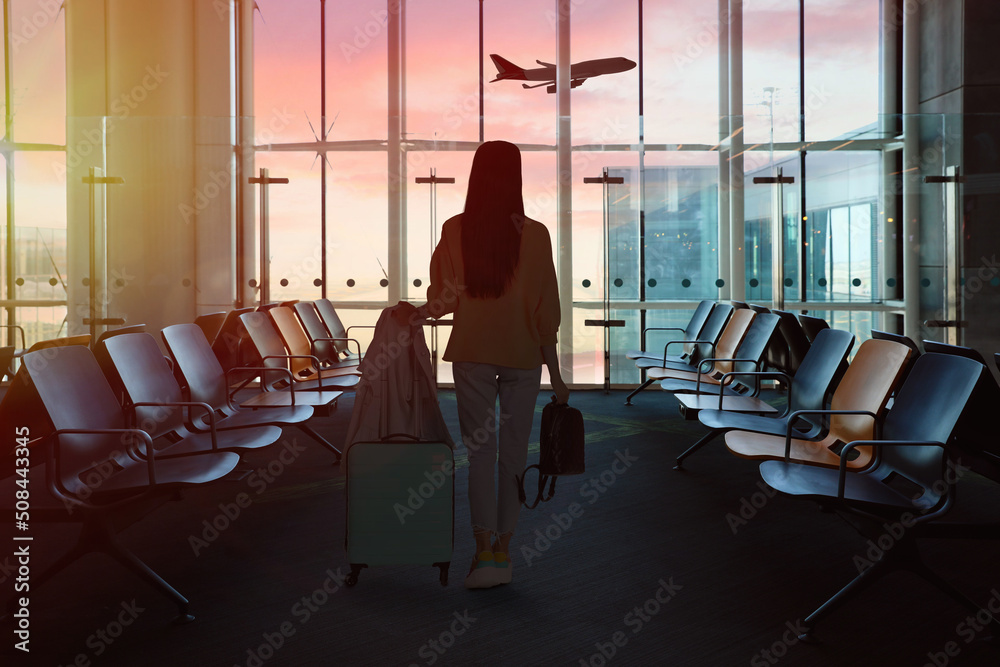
(578, 73)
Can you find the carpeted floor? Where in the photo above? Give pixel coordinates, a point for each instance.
(632, 563)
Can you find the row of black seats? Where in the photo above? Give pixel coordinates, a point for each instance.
(118, 430)
(854, 454)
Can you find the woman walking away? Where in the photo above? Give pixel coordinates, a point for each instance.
(493, 269)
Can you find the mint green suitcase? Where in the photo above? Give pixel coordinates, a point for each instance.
(400, 504)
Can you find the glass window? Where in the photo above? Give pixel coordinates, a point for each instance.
(357, 227)
(681, 69)
(287, 48)
(663, 224)
(681, 226)
(294, 225)
(841, 71)
(771, 71)
(38, 62)
(442, 84)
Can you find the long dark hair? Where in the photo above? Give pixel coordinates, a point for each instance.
(493, 220)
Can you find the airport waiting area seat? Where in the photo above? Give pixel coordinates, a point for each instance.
(812, 325)
(806, 393)
(120, 331)
(723, 349)
(856, 409)
(64, 341)
(789, 356)
(211, 324)
(231, 345)
(327, 348)
(715, 374)
(340, 333)
(6, 358)
(692, 351)
(688, 332)
(270, 348)
(301, 347)
(208, 383)
(912, 484)
(12, 335)
(91, 441)
(153, 401)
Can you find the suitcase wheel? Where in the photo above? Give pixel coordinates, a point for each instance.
(444, 572)
(352, 578)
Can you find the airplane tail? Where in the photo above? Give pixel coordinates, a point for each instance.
(506, 69)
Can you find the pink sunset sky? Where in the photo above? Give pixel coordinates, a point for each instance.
(442, 77)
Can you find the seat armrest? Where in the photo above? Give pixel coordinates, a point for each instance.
(181, 404)
(643, 337)
(712, 360)
(312, 345)
(262, 369)
(798, 413)
(18, 327)
(53, 464)
(697, 342)
(851, 446)
(758, 375)
(311, 357)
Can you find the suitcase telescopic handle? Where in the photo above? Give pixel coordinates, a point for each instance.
(408, 436)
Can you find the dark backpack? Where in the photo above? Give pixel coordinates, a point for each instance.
(561, 451)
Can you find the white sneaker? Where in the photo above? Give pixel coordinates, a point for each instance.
(503, 567)
(483, 573)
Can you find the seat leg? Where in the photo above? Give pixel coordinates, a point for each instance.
(311, 432)
(856, 586)
(628, 399)
(114, 548)
(903, 556)
(705, 439)
(97, 534)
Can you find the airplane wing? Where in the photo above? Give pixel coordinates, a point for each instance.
(543, 64)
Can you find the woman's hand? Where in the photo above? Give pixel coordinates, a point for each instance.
(403, 313)
(561, 391)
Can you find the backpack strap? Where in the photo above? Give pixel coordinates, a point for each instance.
(541, 488)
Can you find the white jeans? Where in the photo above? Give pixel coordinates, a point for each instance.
(495, 506)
